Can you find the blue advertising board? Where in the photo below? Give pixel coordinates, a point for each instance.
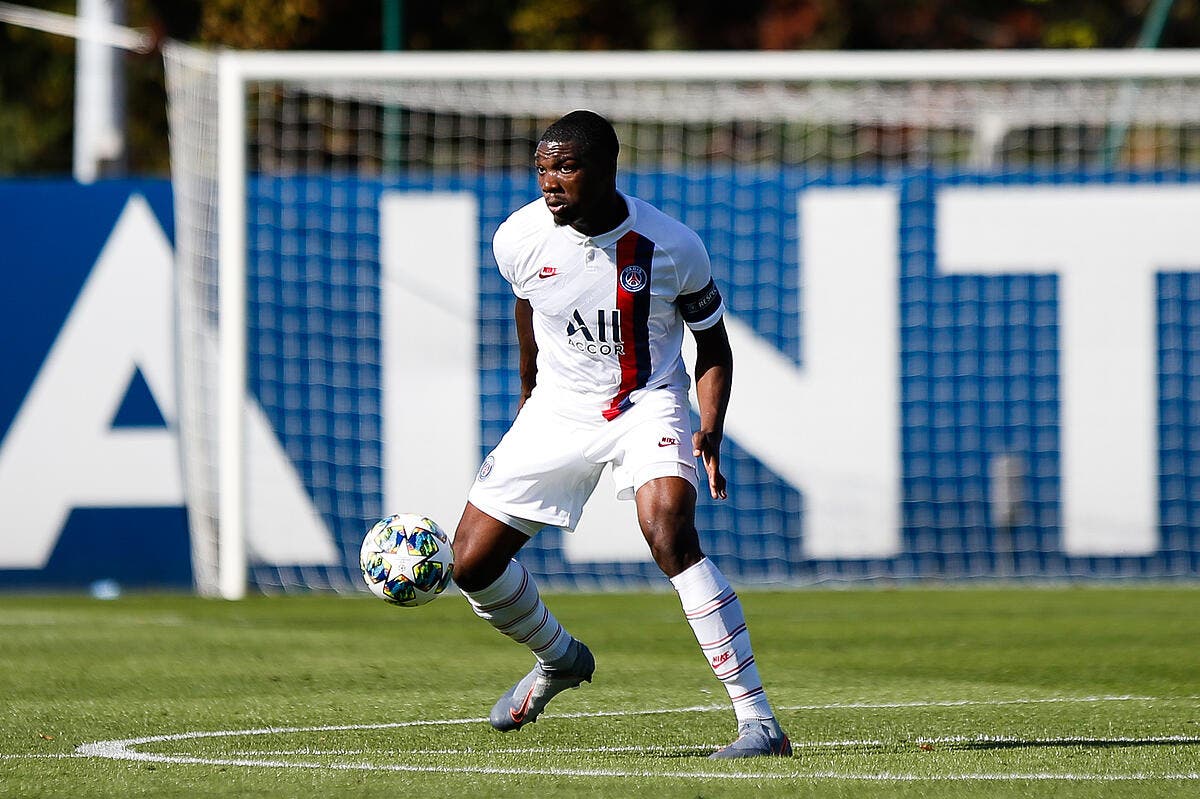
(61, 535)
(937, 375)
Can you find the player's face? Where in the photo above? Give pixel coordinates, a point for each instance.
(574, 188)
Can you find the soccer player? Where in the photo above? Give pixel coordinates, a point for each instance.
(605, 284)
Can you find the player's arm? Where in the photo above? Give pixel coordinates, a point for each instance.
(528, 349)
(714, 379)
(510, 251)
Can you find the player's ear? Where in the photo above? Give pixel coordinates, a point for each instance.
(608, 169)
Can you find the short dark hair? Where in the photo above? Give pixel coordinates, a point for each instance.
(593, 133)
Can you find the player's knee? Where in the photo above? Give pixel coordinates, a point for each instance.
(474, 569)
(673, 541)
(468, 577)
(674, 560)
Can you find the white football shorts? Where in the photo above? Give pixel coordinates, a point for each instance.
(547, 465)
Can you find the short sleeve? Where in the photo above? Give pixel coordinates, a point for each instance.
(504, 248)
(699, 299)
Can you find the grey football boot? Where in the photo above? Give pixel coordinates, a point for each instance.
(756, 738)
(526, 700)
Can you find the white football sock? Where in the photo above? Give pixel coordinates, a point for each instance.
(513, 606)
(715, 613)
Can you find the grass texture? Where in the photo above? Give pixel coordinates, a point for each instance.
(1065, 691)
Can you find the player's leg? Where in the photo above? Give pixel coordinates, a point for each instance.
(499, 588)
(483, 549)
(503, 593)
(666, 511)
(653, 461)
(531, 479)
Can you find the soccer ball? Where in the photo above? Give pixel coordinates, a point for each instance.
(406, 559)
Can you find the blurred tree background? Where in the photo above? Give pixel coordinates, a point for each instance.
(37, 69)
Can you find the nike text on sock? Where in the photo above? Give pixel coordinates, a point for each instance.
(715, 614)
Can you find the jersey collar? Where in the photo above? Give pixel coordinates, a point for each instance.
(605, 240)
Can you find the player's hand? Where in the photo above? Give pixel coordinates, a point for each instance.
(525, 395)
(707, 447)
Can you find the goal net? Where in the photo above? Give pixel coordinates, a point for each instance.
(961, 289)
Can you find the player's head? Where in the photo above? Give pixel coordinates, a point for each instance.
(592, 135)
(576, 161)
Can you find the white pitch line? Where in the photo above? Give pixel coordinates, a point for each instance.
(843, 744)
(888, 705)
(1052, 700)
(535, 750)
(814, 775)
(546, 772)
(122, 749)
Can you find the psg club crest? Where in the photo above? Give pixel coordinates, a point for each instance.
(633, 278)
(486, 468)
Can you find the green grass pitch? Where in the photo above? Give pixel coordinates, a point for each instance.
(1070, 692)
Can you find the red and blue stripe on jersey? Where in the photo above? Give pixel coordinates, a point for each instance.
(633, 249)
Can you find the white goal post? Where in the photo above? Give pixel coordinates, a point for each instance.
(251, 131)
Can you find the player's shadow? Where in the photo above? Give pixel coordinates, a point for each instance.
(689, 752)
(1073, 743)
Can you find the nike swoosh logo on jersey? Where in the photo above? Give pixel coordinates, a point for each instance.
(668, 442)
(548, 271)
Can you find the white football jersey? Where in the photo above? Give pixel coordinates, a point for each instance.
(609, 310)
